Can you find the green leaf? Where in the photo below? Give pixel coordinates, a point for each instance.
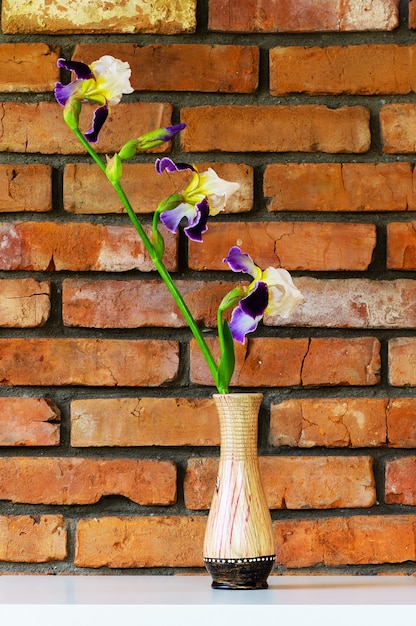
(227, 362)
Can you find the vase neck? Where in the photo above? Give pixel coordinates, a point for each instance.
(238, 415)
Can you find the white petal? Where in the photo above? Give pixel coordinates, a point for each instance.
(112, 78)
(216, 189)
(284, 296)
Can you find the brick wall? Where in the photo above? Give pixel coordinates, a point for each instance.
(109, 439)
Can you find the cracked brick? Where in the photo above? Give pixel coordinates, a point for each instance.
(352, 303)
(292, 245)
(303, 16)
(25, 188)
(144, 422)
(17, 61)
(25, 539)
(338, 541)
(69, 480)
(29, 422)
(398, 128)
(141, 182)
(294, 482)
(91, 362)
(159, 541)
(329, 422)
(26, 126)
(356, 187)
(78, 246)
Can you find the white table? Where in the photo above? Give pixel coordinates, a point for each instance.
(186, 600)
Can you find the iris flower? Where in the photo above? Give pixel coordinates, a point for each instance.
(103, 82)
(207, 194)
(272, 291)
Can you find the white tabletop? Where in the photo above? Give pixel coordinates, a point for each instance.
(166, 598)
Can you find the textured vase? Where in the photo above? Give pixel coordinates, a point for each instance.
(239, 550)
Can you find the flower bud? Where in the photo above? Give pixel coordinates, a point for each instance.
(129, 150)
(156, 137)
(72, 111)
(114, 169)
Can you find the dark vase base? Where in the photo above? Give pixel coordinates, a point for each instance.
(248, 573)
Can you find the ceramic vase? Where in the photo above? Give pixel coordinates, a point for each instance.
(239, 549)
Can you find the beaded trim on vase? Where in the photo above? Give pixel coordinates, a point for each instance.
(253, 559)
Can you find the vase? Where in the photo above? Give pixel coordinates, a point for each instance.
(239, 549)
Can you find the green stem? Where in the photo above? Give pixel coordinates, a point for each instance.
(90, 149)
(167, 279)
(163, 272)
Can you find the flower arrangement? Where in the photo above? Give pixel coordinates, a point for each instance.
(271, 291)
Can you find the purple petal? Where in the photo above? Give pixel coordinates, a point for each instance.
(171, 219)
(241, 324)
(171, 131)
(257, 300)
(64, 92)
(100, 115)
(240, 262)
(199, 225)
(170, 166)
(81, 70)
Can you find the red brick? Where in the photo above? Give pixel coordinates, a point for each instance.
(401, 245)
(329, 422)
(346, 540)
(294, 482)
(352, 303)
(32, 538)
(144, 422)
(133, 16)
(298, 128)
(82, 246)
(400, 481)
(133, 304)
(72, 480)
(26, 127)
(402, 362)
(183, 67)
(367, 69)
(160, 541)
(340, 422)
(339, 187)
(25, 188)
(28, 67)
(101, 362)
(398, 128)
(412, 14)
(277, 362)
(29, 422)
(24, 303)
(302, 16)
(339, 361)
(261, 362)
(145, 188)
(401, 422)
(315, 246)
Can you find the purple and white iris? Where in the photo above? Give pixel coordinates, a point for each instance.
(272, 291)
(103, 82)
(207, 194)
